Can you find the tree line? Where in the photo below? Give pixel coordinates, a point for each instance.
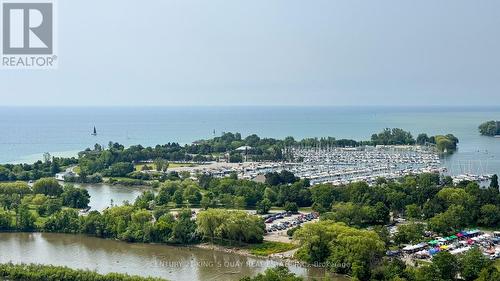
(115, 160)
(37, 272)
(37, 170)
(471, 266)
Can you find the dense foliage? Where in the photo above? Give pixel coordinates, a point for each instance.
(472, 265)
(37, 170)
(393, 136)
(52, 208)
(448, 208)
(490, 128)
(22, 206)
(35, 272)
(344, 249)
(230, 225)
(279, 273)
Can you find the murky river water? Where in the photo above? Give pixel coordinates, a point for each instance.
(172, 263)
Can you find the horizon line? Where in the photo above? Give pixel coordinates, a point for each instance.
(263, 105)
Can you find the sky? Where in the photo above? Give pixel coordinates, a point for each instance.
(268, 52)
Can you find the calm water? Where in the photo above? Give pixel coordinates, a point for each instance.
(28, 132)
(101, 195)
(172, 263)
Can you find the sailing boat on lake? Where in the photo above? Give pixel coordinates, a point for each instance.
(95, 132)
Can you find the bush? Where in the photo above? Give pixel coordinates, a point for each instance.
(291, 207)
(292, 230)
(279, 273)
(14, 188)
(231, 225)
(5, 221)
(47, 186)
(75, 197)
(34, 272)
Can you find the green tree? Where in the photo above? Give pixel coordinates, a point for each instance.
(454, 196)
(145, 200)
(192, 195)
(208, 222)
(119, 169)
(47, 186)
(291, 207)
(232, 225)
(263, 206)
(428, 273)
(50, 207)
(489, 273)
(452, 220)
(446, 264)
(322, 196)
(139, 228)
(280, 273)
(490, 128)
(5, 221)
(490, 215)
(183, 230)
(471, 264)
(163, 196)
(422, 139)
(178, 198)
(162, 229)
(25, 219)
(494, 181)
(65, 221)
(409, 233)
(75, 197)
(160, 164)
(92, 224)
(348, 250)
(413, 211)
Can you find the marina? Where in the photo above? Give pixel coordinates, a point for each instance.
(340, 166)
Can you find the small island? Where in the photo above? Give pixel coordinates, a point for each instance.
(490, 128)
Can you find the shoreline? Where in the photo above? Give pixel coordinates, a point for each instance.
(235, 257)
(202, 245)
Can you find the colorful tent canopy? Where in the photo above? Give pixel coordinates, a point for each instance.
(472, 232)
(433, 251)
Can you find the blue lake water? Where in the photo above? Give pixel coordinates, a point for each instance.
(28, 132)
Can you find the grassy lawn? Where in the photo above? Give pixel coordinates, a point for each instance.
(267, 248)
(305, 209)
(497, 264)
(138, 167)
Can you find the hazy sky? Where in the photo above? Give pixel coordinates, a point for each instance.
(268, 52)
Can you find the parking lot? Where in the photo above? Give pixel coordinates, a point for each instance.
(279, 223)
